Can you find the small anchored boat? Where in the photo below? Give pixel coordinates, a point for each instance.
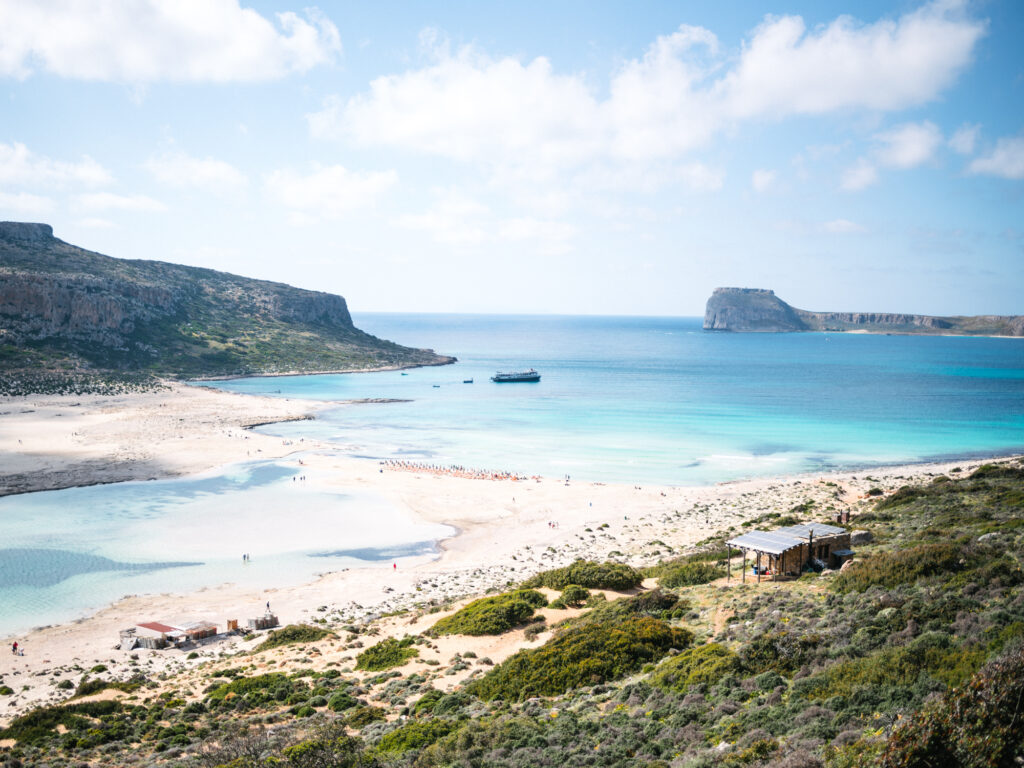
(515, 377)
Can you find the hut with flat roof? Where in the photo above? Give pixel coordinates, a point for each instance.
(787, 550)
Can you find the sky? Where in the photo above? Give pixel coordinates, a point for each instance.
(576, 157)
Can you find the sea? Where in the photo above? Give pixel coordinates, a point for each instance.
(621, 399)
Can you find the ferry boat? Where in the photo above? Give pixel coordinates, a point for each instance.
(515, 376)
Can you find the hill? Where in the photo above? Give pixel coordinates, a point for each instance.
(73, 320)
(748, 310)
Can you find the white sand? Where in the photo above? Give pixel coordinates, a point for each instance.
(504, 532)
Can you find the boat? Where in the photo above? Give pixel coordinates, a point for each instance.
(467, 381)
(515, 376)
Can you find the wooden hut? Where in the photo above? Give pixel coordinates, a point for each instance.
(787, 550)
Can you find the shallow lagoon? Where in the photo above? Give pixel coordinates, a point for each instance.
(68, 553)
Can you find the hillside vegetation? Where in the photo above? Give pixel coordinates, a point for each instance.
(73, 320)
(911, 656)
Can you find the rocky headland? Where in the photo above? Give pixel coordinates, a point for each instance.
(74, 320)
(753, 310)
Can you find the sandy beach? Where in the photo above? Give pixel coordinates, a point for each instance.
(508, 529)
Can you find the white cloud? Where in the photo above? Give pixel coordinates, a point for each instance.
(177, 169)
(471, 107)
(457, 220)
(327, 193)
(453, 219)
(908, 145)
(888, 65)
(762, 180)
(964, 139)
(137, 41)
(20, 166)
(859, 176)
(1005, 160)
(841, 227)
(24, 203)
(108, 201)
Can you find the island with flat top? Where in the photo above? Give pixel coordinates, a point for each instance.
(759, 310)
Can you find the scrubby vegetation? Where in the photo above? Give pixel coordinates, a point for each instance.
(386, 654)
(587, 573)
(293, 633)
(913, 657)
(492, 615)
(584, 652)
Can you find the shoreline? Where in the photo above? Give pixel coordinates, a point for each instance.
(501, 532)
(449, 360)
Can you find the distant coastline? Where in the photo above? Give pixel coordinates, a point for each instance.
(759, 310)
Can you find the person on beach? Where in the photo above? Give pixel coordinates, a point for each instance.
(14, 648)
(268, 606)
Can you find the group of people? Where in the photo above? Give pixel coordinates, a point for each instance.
(16, 650)
(454, 470)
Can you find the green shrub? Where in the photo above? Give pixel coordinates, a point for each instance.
(360, 717)
(976, 726)
(386, 654)
(903, 566)
(293, 633)
(341, 701)
(244, 685)
(415, 735)
(702, 665)
(904, 495)
(574, 595)
(931, 659)
(781, 652)
(585, 654)
(427, 701)
(39, 725)
(590, 574)
(688, 574)
(491, 615)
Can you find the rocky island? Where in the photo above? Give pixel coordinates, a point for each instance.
(758, 310)
(74, 320)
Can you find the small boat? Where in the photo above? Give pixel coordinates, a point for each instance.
(437, 386)
(467, 381)
(515, 377)
(405, 374)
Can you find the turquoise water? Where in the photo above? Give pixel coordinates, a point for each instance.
(659, 400)
(621, 399)
(67, 553)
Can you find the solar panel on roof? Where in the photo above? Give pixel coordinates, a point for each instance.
(808, 529)
(770, 542)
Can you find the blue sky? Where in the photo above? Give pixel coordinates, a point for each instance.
(573, 157)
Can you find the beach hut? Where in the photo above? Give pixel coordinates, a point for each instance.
(773, 551)
(823, 542)
(153, 634)
(787, 550)
(195, 631)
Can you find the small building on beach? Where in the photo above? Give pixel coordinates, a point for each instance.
(788, 550)
(156, 635)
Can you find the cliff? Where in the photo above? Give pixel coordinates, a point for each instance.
(748, 310)
(66, 310)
